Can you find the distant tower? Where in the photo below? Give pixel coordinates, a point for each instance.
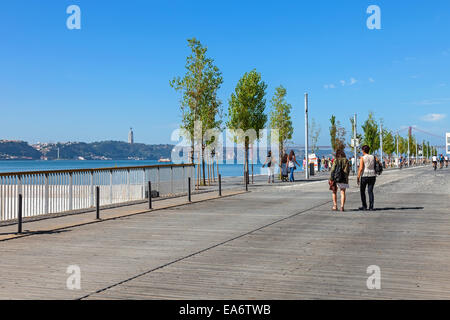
(130, 136)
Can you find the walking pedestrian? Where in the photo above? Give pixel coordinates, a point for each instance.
(291, 165)
(339, 178)
(270, 162)
(366, 177)
(284, 167)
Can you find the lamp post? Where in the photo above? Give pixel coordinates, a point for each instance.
(306, 138)
(354, 143)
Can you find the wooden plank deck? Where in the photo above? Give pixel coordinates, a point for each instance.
(277, 242)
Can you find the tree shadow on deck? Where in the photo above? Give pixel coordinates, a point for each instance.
(389, 209)
(29, 233)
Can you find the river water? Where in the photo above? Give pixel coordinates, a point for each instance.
(227, 170)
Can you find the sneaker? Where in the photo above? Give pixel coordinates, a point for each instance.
(362, 208)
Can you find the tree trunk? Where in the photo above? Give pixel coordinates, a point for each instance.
(192, 151)
(208, 166)
(246, 162)
(203, 165)
(280, 154)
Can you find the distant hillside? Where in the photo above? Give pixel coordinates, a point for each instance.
(17, 150)
(115, 150)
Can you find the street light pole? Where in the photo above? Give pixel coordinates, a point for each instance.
(306, 138)
(416, 151)
(409, 152)
(398, 155)
(354, 143)
(381, 143)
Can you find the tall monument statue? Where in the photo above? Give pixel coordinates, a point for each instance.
(130, 136)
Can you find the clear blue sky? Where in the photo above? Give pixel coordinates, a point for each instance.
(93, 84)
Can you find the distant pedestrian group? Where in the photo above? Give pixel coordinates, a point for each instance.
(288, 165)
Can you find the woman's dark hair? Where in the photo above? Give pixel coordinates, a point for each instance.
(366, 148)
(291, 155)
(269, 153)
(340, 154)
(285, 158)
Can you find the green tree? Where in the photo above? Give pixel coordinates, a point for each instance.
(340, 136)
(371, 133)
(280, 118)
(389, 145)
(403, 145)
(314, 133)
(337, 134)
(333, 132)
(199, 101)
(246, 109)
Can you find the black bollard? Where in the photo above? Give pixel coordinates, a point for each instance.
(150, 195)
(19, 215)
(220, 185)
(189, 189)
(97, 202)
(246, 181)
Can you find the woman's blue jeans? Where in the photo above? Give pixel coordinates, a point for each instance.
(291, 176)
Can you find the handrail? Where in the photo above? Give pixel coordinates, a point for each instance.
(22, 173)
(54, 191)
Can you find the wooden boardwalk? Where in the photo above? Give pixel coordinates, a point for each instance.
(276, 242)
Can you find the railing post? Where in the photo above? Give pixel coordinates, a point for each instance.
(189, 189)
(128, 184)
(70, 191)
(19, 214)
(220, 185)
(159, 180)
(171, 180)
(97, 202)
(184, 178)
(144, 177)
(2, 214)
(92, 189)
(110, 186)
(46, 195)
(19, 185)
(150, 195)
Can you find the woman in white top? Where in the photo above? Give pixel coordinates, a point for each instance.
(367, 177)
(270, 162)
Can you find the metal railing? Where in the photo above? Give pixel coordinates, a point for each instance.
(57, 191)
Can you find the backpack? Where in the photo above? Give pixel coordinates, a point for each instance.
(378, 167)
(339, 174)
